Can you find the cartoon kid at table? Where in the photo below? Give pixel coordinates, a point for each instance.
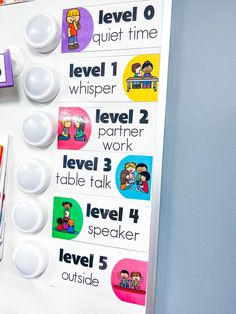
(147, 68)
(124, 180)
(72, 19)
(66, 123)
(130, 166)
(140, 168)
(143, 185)
(80, 125)
(136, 69)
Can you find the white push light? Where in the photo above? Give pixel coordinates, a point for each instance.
(30, 259)
(33, 176)
(17, 59)
(43, 33)
(29, 215)
(41, 83)
(38, 129)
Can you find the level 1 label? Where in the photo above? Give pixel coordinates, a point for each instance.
(111, 27)
(122, 78)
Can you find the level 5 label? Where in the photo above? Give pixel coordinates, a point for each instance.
(113, 273)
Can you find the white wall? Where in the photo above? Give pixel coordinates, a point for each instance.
(198, 218)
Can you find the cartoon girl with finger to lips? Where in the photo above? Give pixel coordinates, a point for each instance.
(72, 19)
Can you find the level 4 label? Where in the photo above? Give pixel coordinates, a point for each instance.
(103, 221)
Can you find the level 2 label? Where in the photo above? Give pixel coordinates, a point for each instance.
(102, 129)
(110, 174)
(103, 221)
(125, 78)
(112, 27)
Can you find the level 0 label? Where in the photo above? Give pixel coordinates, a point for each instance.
(112, 27)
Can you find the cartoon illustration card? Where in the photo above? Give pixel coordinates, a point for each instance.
(121, 129)
(104, 174)
(116, 274)
(112, 27)
(102, 221)
(6, 76)
(119, 78)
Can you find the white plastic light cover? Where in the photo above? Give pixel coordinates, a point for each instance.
(43, 33)
(17, 59)
(41, 83)
(31, 259)
(38, 129)
(29, 215)
(33, 176)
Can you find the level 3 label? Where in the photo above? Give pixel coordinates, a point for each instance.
(99, 173)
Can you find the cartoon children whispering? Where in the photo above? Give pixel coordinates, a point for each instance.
(70, 122)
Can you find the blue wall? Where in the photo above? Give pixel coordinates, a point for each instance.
(197, 248)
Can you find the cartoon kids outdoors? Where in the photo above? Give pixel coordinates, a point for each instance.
(130, 281)
(124, 275)
(136, 279)
(72, 19)
(136, 69)
(66, 123)
(80, 125)
(147, 68)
